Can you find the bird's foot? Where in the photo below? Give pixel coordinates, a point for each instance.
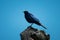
(30, 26)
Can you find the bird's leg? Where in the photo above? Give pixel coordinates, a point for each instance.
(31, 24)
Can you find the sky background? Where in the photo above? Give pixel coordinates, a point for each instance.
(12, 21)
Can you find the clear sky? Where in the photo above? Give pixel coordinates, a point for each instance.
(12, 21)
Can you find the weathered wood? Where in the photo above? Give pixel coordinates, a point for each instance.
(34, 34)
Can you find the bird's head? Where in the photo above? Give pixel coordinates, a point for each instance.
(25, 12)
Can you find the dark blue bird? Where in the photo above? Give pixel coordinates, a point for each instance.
(31, 19)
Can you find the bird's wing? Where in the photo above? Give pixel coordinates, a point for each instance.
(34, 18)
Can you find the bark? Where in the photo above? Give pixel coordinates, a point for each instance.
(34, 34)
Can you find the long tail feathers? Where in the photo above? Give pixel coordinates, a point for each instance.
(44, 27)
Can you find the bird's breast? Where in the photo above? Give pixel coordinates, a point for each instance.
(29, 19)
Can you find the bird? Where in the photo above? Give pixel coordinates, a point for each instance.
(30, 18)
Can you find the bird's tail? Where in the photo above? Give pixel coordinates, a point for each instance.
(44, 27)
(41, 25)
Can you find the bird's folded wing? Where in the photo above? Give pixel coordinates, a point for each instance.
(34, 18)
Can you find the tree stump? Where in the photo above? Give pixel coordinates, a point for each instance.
(34, 34)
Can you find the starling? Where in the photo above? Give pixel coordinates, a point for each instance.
(32, 19)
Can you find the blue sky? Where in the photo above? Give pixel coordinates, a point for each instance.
(13, 22)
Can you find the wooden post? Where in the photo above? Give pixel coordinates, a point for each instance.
(34, 34)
